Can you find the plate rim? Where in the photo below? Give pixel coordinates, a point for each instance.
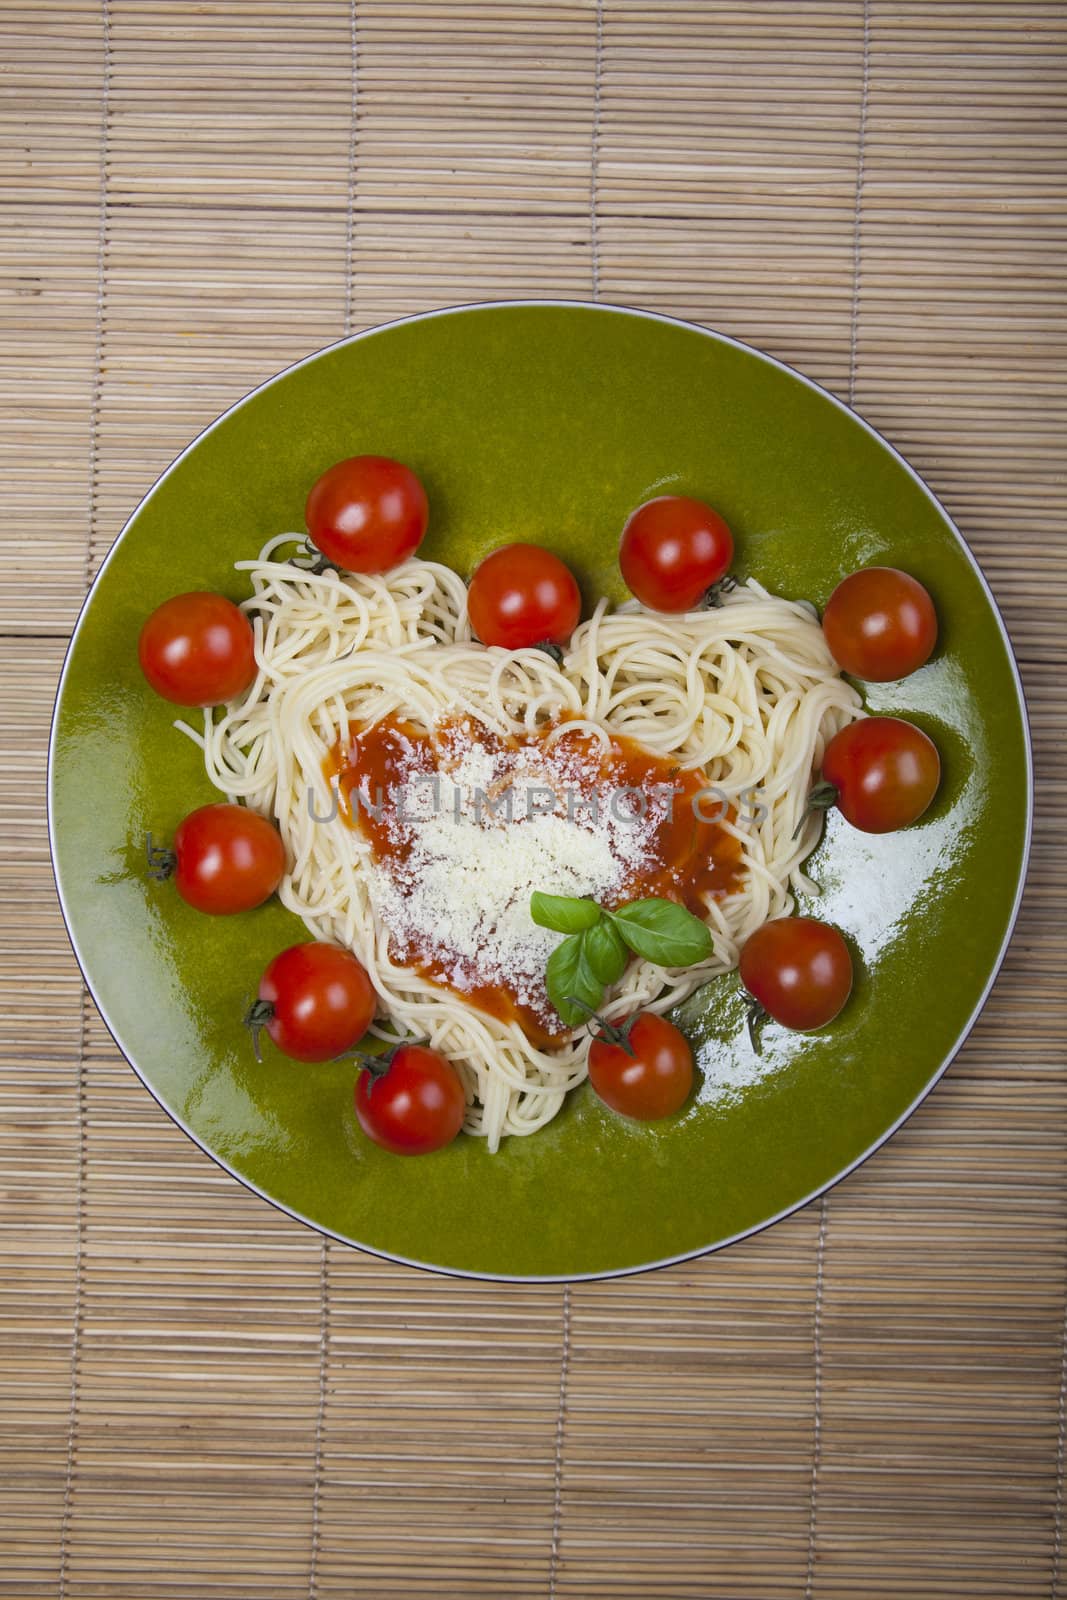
(610, 308)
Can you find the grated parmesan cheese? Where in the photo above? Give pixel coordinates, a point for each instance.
(461, 887)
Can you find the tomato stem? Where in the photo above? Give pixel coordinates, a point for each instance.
(256, 1018)
(713, 597)
(161, 861)
(755, 1016)
(823, 797)
(378, 1065)
(612, 1034)
(316, 563)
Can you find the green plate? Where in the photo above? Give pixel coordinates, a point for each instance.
(550, 422)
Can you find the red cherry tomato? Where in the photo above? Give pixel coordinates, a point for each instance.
(673, 551)
(798, 970)
(367, 514)
(197, 650)
(225, 859)
(314, 1000)
(880, 624)
(884, 772)
(522, 595)
(642, 1070)
(410, 1102)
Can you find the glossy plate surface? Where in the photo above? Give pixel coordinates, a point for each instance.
(550, 422)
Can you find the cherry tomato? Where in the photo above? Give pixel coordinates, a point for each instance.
(643, 1069)
(410, 1101)
(798, 970)
(367, 514)
(673, 550)
(883, 773)
(522, 595)
(197, 650)
(225, 859)
(880, 624)
(314, 1000)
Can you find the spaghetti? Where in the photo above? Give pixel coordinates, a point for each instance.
(740, 700)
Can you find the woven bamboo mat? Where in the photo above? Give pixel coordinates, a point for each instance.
(200, 1399)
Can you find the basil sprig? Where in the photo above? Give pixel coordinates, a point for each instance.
(562, 913)
(605, 951)
(593, 955)
(569, 977)
(663, 932)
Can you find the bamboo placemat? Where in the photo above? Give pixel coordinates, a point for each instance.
(200, 1399)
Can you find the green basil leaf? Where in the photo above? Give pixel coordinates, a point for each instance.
(605, 952)
(569, 974)
(562, 913)
(663, 932)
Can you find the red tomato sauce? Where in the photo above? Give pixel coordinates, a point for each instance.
(689, 856)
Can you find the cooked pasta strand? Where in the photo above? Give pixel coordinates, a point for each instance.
(748, 693)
